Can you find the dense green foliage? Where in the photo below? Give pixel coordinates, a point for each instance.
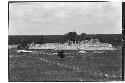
(114, 39)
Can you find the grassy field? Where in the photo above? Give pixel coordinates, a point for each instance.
(45, 65)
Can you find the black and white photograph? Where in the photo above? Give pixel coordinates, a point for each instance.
(65, 41)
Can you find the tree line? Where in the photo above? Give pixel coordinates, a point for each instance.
(114, 39)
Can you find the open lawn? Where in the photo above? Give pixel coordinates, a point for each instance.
(45, 65)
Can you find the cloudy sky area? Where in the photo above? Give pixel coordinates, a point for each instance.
(58, 18)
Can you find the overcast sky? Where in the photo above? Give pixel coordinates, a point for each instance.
(58, 18)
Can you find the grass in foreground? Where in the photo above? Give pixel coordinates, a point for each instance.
(105, 66)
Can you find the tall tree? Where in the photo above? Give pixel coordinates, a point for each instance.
(83, 36)
(71, 36)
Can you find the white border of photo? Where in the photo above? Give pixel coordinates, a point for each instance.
(4, 37)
